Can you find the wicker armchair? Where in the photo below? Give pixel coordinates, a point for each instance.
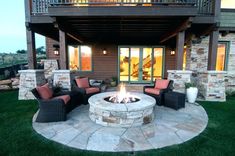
(83, 86)
(158, 93)
(55, 109)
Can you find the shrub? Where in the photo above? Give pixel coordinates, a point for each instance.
(189, 84)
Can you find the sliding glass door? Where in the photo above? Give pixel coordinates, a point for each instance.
(139, 64)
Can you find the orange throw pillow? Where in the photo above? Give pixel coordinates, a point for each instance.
(83, 82)
(45, 92)
(161, 84)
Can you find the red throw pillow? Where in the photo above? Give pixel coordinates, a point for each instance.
(83, 82)
(161, 84)
(45, 92)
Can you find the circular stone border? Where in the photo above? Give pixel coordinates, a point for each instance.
(170, 127)
(121, 114)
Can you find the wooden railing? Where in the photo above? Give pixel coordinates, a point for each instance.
(41, 6)
(205, 6)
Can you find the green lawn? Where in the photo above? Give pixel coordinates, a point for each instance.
(18, 138)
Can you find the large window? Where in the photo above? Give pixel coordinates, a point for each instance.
(221, 58)
(140, 64)
(80, 58)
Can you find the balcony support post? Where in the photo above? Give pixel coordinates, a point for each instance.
(63, 50)
(213, 45)
(31, 50)
(180, 38)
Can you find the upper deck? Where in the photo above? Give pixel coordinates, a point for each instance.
(120, 7)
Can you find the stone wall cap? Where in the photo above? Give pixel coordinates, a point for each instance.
(180, 71)
(31, 71)
(213, 72)
(49, 60)
(61, 71)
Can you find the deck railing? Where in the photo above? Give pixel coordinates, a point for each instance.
(41, 6)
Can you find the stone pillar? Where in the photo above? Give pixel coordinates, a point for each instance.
(49, 66)
(62, 78)
(179, 77)
(30, 79)
(230, 81)
(211, 85)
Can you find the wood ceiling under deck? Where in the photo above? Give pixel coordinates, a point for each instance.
(121, 30)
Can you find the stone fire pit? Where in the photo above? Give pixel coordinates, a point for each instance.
(121, 114)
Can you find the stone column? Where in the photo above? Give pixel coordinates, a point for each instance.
(230, 81)
(211, 85)
(49, 66)
(179, 77)
(30, 79)
(62, 78)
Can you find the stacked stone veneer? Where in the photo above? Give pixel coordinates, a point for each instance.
(180, 78)
(62, 79)
(230, 81)
(30, 79)
(211, 85)
(197, 55)
(49, 66)
(121, 115)
(197, 58)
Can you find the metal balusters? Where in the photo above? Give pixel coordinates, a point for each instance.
(41, 6)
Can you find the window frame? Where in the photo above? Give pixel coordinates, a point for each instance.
(227, 50)
(80, 58)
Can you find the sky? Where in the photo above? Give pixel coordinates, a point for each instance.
(12, 27)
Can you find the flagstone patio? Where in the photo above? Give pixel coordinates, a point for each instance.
(169, 127)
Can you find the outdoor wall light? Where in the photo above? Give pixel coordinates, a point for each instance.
(104, 51)
(172, 52)
(56, 49)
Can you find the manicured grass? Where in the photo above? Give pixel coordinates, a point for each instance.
(18, 138)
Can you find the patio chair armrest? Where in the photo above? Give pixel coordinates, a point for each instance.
(52, 102)
(162, 91)
(147, 87)
(80, 90)
(61, 93)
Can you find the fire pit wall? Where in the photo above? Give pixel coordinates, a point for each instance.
(121, 115)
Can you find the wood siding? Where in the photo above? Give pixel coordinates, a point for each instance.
(170, 61)
(106, 66)
(50, 49)
(227, 19)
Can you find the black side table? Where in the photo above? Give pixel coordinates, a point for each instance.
(174, 100)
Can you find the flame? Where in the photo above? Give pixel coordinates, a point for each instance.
(122, 96)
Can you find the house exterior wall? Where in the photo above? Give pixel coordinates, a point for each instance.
(197, 58)
(50, 49)
(106, 66)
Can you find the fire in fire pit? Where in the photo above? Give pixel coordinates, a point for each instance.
(122, 97)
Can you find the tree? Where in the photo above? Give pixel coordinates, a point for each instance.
(21, 51)
(41, 50)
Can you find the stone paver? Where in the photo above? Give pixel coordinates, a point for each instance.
(168, 128)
